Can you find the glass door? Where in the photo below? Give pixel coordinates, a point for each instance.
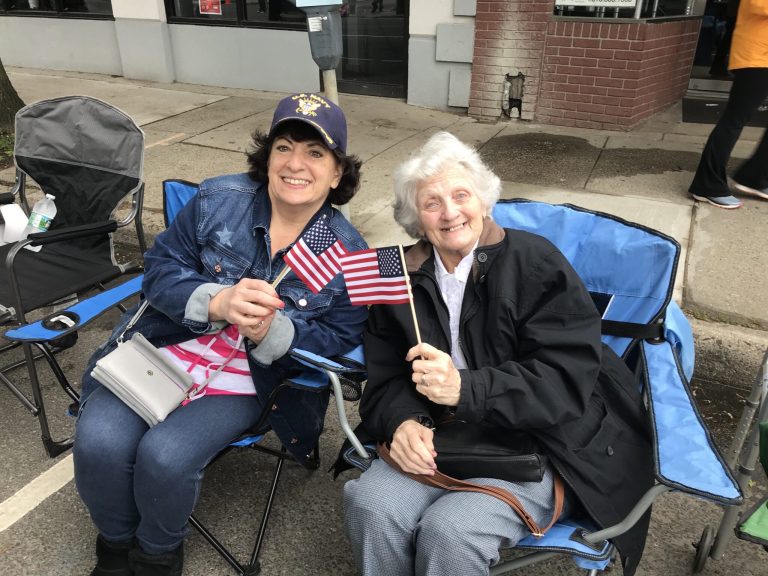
(710, 64)
(375, 35)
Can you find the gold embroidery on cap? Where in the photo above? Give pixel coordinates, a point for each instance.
(308, 107)
(308, 103)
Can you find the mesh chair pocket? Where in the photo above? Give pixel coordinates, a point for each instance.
(351, 386)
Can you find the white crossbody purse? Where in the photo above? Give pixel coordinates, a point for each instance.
(145, 379)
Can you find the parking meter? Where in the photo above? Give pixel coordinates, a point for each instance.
(324, 26)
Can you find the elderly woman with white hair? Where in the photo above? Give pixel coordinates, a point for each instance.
(510, 343)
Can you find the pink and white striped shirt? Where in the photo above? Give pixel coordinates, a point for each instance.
(203, 355)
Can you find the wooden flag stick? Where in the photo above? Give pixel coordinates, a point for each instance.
(410, 294)
(280, 276)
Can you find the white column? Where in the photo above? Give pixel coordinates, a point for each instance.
(144, 40)
(139, 9)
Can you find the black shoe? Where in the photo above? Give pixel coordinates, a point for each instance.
(169, 564)
(112, 558)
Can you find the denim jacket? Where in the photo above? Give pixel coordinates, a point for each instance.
(219, 237)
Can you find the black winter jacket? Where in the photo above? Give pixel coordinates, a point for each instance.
(530, 334)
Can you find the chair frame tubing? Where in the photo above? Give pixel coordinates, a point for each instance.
(642, 506)
(253, 566)
(36, 405)
(744, 469)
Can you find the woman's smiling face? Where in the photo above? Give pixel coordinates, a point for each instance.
(301, 174)
(450, 213)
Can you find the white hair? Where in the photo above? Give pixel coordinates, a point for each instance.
(441, 151)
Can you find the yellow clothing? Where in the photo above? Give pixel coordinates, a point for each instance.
(749, 47)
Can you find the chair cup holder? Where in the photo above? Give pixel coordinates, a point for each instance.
(66, 323)
(62, 321)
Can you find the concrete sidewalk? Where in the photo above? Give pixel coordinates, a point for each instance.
(195, 132)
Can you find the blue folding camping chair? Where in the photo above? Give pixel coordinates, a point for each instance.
(340, 375)
(629, 270)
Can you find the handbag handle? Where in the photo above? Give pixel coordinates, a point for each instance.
(440, 480)
(142, 307)
(193, 392)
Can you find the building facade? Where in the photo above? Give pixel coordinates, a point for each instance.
(590, 63)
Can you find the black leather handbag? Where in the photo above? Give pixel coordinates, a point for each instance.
(475, 451)
(466, 450)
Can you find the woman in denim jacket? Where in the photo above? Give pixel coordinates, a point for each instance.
(208, 285)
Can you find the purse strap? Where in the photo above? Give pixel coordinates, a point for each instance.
(193, 393)
(440, 480)
(142, 307)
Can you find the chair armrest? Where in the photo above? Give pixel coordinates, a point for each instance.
(7, 198)
(354, 458)
(72, 232)
(63, 322)
(309, 380)
(687, 459)
(351, 362)
(327, 370)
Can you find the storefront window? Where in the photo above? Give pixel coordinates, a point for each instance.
(268, 13)
(223, 10)
(622, 8)
(57, 7)
(273, 11)
(375, 36)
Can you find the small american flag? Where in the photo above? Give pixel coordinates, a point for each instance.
(315, 256)
(375, 276)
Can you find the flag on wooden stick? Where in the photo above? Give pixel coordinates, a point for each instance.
(315, 256)
(375, 276)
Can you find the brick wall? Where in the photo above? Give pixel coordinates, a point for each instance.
(510, 36)
(586, 73)
(613, 75)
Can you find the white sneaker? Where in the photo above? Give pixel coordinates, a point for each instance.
(725, 202)
(750, 191)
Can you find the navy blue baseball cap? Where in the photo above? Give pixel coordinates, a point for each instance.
(319, 112)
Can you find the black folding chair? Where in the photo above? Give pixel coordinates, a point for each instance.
(89, 155)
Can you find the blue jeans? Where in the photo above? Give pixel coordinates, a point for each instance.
(144, 482)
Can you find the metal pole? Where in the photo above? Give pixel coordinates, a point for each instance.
(332, 93)
(329, 81)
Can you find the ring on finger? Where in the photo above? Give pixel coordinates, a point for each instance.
(260, 324)
(424, 381)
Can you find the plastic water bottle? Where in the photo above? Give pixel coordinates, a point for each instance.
(40, 220)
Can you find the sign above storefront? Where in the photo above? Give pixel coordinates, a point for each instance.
(598, 3)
